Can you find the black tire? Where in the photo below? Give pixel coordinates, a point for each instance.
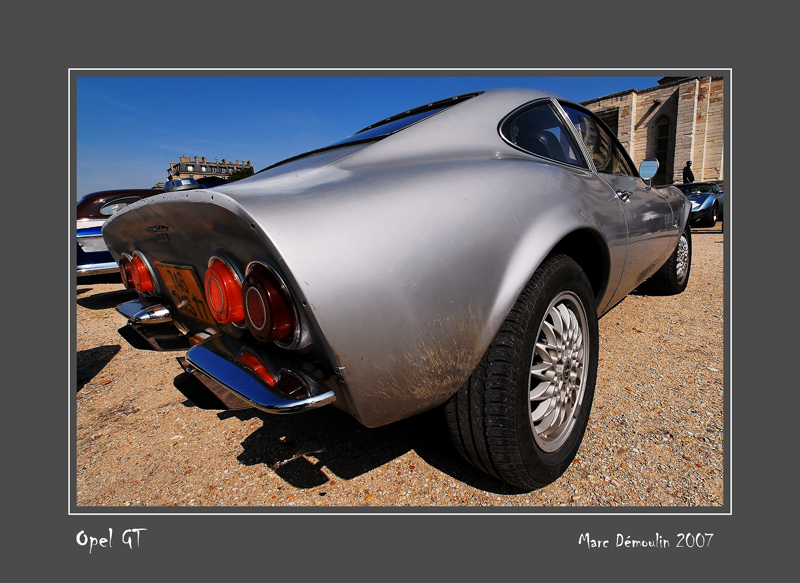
(712, 217)
(490, 417)
(672, 277)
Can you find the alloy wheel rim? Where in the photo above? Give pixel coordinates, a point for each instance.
(682, 258)
(559, 366)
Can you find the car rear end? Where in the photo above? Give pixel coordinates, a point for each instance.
(210, 281)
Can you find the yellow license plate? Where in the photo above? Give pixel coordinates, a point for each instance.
(186, 292)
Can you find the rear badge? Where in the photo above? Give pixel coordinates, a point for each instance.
(162, 238)
(158, 229)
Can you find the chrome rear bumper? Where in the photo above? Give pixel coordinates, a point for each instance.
(224, 382)
(214, 363)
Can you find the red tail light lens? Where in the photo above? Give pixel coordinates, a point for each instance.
(254, 363)
(268, 308)
(285, 382)
(125, 271)
(142, 280)
(223, 292)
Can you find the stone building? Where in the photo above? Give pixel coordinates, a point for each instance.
(201, 168)
(680, 120)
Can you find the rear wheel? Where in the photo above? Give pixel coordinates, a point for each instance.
(673, 277)
(522, 414)
(712, 217)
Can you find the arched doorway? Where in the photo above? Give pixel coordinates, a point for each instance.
(662, 150)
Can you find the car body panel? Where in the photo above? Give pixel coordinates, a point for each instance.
(405, 255)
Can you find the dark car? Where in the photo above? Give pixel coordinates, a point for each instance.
(707, 199)
(93, 211)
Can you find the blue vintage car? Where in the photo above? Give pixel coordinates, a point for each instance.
(707, 199)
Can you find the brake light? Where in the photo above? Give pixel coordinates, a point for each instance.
(268, 308)
(223, 292)
(254, 363)
(125, 271)
(285, 382)
(142, 280)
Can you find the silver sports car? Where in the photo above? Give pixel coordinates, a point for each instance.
(456, 254)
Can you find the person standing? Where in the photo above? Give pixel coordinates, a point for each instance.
(688, 175)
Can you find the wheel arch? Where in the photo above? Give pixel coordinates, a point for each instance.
(591, 253)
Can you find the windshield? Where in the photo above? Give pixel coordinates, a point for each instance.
(687, 188)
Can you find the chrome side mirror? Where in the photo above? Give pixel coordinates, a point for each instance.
(648, 169)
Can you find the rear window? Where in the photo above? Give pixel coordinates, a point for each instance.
(540, 131)
(389, 126)
(397, 122)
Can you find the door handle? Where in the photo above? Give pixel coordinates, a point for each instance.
(624, 195)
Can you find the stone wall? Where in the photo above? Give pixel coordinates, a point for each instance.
(691, 108)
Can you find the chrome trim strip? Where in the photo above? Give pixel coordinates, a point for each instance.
(222, 257)
(151, 271)
(138, 313)
(295, 341)
(98, 268)
(573, 131)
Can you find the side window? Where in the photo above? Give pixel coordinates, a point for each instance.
(112, 207)
(606, 153)
(539, 130)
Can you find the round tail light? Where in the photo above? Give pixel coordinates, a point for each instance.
(223, 292)
(142, 280)
(126, 272)
(268, 308)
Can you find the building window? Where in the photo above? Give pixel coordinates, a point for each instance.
(190, 168)
(662, 148)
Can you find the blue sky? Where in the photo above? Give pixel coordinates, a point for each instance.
(129, 128)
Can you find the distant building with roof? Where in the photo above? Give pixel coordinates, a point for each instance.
(185, 167)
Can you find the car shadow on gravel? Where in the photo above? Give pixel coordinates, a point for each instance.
(92, 360)
(718, 230)
(106, 300)
(97, 279)
(289, 444)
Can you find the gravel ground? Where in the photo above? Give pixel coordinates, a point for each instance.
(655, 435)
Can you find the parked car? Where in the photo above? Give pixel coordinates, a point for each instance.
(94, 209)
(707, 199)
(93, 257)
(456, 254)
